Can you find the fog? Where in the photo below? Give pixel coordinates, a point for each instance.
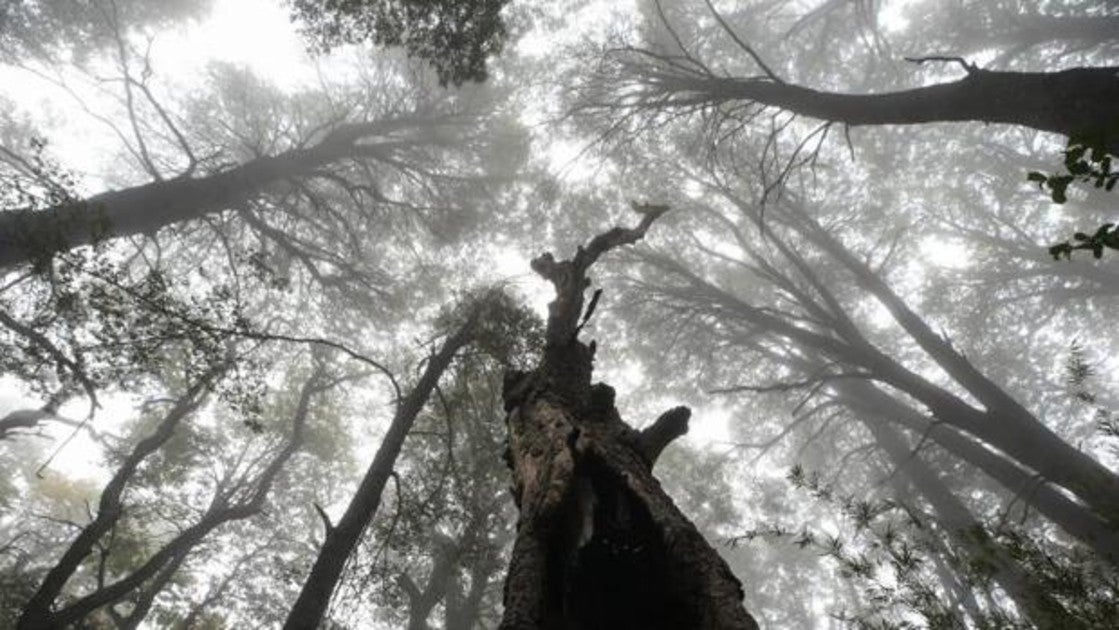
(509, 314)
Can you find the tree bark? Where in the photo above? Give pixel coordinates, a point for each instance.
(341, 538)
(1076, 519)
(1029, 458)
(1003, 422)
(35, 235)
(599, 544)
(1068, 102)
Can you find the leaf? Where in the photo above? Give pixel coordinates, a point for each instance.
(1060, 249)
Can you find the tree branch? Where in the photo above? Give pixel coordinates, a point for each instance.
(669, 426)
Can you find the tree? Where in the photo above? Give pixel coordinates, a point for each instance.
(274, 157)
(283, 284)
(444, 542)
(455, 38)
(643, 81)
(598, 542)
(491, 315)
(35, 234)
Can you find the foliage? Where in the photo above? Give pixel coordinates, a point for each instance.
(454, 36)
(448, 529)
(354, 256)
(888, 555)
(1087, 160)
(507, 331)
(1107, 235)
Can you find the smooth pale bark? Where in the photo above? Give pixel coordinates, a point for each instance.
(1003, 422)
(28, 236)
(341, 538)
(443, 583)
(599, 544)
(1068, 102)
(1024, 443)
(421, 601)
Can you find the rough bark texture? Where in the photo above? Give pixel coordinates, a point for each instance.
(599, 544)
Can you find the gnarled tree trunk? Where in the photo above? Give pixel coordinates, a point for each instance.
(599, 544)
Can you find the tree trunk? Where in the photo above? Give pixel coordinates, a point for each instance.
(599, 544)
(1068, 102)
(1076, 519)
(340, 540)
(39, 615)
(38, 611)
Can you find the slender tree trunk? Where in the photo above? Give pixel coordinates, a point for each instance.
(599, 544)
(1077, 520)
(1004, 423)
(220, 512)
(38, 613)
(341, 538)
(1029, 461)
(443, 573)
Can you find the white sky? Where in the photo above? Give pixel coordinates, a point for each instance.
(259, 35)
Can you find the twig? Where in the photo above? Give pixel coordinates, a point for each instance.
(968, 67)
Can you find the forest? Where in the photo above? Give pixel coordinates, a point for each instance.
(522, 315)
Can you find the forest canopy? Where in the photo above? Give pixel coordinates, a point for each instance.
(511, 314)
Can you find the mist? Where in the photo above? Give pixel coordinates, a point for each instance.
(508, 314)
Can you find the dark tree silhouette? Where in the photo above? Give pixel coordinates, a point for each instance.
(599, 544)
(34, 234)
(632, 80)
(454, 36)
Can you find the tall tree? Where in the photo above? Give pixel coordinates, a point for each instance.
(598, 541)
(456, 38)
(636, 80)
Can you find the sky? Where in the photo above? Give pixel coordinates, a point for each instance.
(258, 35)
(275, 52)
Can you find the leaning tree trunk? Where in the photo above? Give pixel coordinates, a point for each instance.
(599, 544)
